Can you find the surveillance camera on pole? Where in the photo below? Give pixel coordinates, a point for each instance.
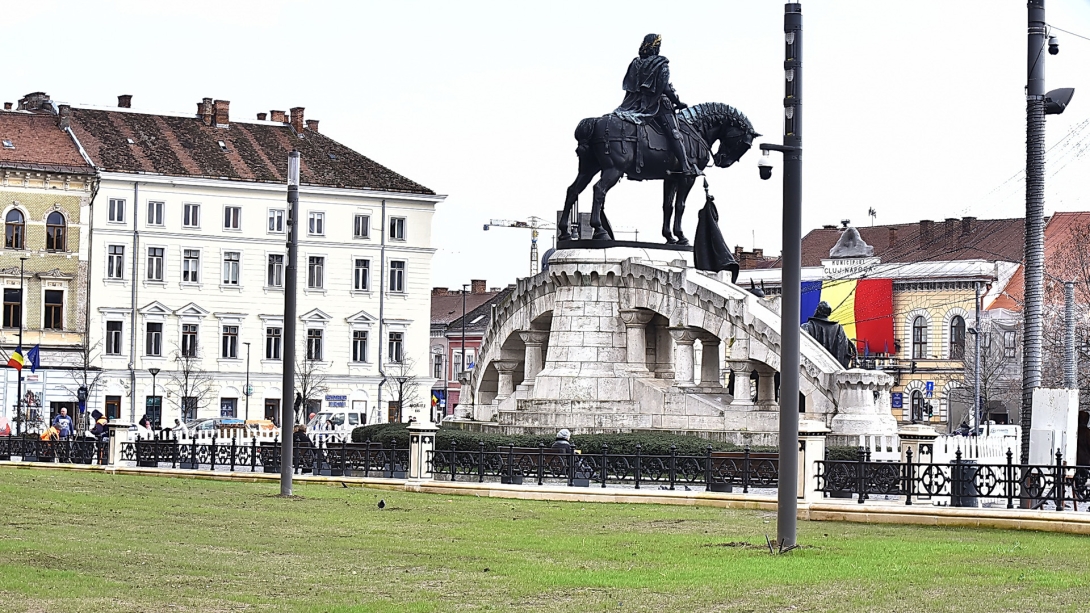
(764, 165)
(1053, 45)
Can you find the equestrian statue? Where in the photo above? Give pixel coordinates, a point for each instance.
(653, 135)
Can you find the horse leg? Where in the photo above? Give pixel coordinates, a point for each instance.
(669, 189)
(679, 207)
(582, 180)
(609, 178)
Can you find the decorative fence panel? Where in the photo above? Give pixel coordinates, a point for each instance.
(68, 451)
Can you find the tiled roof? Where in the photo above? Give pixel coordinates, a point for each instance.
(479, 318)
(38, 145)
(1067, 238)
(185, 146)
(446, 308)
(953, 239)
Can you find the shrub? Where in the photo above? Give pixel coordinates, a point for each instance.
(842, 452)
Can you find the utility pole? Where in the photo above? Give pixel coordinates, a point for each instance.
(247, 380)
(19, 420)
(1071, 380)
(976, 363)
(287, 382)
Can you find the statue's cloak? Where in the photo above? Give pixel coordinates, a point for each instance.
(710, 251)
(648, 78)
(831, 336)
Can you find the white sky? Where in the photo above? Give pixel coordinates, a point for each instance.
(913, 108)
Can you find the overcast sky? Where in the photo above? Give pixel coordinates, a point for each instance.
(916, 109)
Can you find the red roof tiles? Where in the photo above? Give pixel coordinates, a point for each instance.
(38, 144)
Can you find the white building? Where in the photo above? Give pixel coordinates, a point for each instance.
(188, 256)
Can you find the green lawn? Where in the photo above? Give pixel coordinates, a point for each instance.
(92, 542)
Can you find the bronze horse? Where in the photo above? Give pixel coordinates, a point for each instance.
(616, 147)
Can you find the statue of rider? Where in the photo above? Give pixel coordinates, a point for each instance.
(648, 93)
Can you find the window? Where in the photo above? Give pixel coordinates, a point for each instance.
(232, 218)
(276, 220)
(359, 345)
(228, 407)
(456, 362)
(272, 343)
(191, 266)
(54, 310)
(230, 267)
(117, 210)
(113, 338)
(1010, 350)
(315, 270)
(362, 227)
(917, 406)
(155, 213)
(437, 366)
(276, 271)
(155, 264)
(191, 215)
(397, 340)
(55, 232)
(11, 145)
(986, 340)
(153, 345)
(957, 338)
(115, 262)
(361, 274)
(189, 340)
(397, 276)
(314, 345)
(397, 228)
(230, 343)
(316, 225)
(13, 308)
(919, 337)
(15, 230)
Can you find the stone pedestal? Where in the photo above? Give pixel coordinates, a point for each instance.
(743, 391)
(119, 434)
(421, 446)
(534, 340)
(506, 386)
(863, 403)
(920, 439)
(684, 358)
(635, 321)
(811, 450)
(766, 389)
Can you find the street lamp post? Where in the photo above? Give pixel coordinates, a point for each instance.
(465, 287)
(287, 382)
(19, 383)
(158, 404)
(247, 390)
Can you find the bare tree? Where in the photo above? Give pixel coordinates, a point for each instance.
(403, 383)
(1000, 371)
(1068, 261)
(84, 376)
(193, 386)
(310, 382)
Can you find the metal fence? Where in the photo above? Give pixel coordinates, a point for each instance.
(963, 481)
(715, 470)
(69, 451)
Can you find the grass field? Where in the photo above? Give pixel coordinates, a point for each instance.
(93, 542)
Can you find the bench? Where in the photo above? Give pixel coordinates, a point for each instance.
(730, 468)
(518, 462)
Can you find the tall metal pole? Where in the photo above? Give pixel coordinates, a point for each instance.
(977, 412)
(1035, 211)
(19, 382)
(287, 383)
(464, 287)
(247, 392)
(1071, 380)
(787, 492)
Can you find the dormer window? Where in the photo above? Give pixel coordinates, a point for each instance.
(223, 146)
(131, 141)
(333, 156)
(8, 144)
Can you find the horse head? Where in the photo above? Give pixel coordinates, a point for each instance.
(735, 139)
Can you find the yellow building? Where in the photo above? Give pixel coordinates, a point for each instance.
(46, 188)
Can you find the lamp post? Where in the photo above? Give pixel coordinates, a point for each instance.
(247, 390)
(19, 382)
(790, 319)
(155, 398)
(287, 382)
(465, 288)
(401, 379)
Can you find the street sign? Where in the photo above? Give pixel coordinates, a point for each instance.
(929, 388)
(898, 400)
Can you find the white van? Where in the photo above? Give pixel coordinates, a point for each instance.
(334, 426)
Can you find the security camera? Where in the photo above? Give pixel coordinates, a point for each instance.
(764, 165)
(1053, 45)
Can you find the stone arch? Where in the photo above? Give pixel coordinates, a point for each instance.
(947, 320)
(908, 322)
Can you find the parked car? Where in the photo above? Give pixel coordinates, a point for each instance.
(334, 426)
(994, 429)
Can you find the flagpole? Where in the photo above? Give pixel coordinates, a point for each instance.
(19, 371)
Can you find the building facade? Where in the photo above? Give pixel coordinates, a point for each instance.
(46, 188)
(189, 252)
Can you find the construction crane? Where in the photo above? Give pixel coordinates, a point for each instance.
(533, 224)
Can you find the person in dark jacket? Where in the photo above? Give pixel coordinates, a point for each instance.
(299, 441)
(99, 430)
(563, 440)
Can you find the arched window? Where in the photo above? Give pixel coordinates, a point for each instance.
(14, 230)
(919, 337)
(957, 338)
(917, 406)
(55, 232)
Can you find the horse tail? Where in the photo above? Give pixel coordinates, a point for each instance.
(583, 133)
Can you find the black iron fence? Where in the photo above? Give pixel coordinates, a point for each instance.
(963, 481)
(715, 470)
(68, 451)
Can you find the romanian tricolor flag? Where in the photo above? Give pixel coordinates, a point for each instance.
(16, 360)
(863, 306)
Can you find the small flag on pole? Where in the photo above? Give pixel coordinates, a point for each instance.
(34, 357)
(16, 359)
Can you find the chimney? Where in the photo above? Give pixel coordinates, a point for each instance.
(440, 291)
(204, 110)
(124, 101)
(737, 252)
(927, 229)
(262, 116)
(479, 286)
(758, 253)
(967, 225)
(297, 119)
(220, 108)
(280, 116)
(7, 106)
(33, 101)
(892, 236)
(951, 229)
(312, 125)
(64, 116)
